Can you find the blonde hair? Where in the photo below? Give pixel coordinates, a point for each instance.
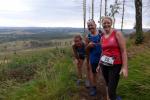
(107, 17)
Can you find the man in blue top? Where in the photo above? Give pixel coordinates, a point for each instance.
(93, 49)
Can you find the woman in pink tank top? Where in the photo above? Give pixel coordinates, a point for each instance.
(113, 60)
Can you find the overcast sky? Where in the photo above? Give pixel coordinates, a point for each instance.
(61, 13)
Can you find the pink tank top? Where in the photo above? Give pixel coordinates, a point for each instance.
(110, 47)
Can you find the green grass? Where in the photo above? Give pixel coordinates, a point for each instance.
(137, 86)
(49, 74)
(129, 42)
(52, 79)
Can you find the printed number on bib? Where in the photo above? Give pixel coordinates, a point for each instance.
(107, 60)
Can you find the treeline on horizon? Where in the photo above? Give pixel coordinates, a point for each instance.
(41, 34)
(9, 34)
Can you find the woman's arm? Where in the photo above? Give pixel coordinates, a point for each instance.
(75, 52)
(122, 45)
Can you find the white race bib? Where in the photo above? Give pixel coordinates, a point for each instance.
(107, 60)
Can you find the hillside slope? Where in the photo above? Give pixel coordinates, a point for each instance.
(49, 74)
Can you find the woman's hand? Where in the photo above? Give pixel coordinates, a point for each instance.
(98, 68)
(124, 71)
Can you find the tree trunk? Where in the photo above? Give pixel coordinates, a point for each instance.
(139, 34)
(84, 14)
(105, 7)
(114, 21)
(122, 16)
(92, 9)
(100, 17)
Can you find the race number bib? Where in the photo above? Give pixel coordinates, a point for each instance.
(106, 60)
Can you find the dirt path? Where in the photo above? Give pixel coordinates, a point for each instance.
(84, 92)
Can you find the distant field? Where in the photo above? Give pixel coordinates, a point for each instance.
(9, 34)
(16, 46)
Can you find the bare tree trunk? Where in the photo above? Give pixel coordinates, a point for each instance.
(84, 14)
(122, 16)
(105, 7)
(139, 34)
(89, 12)
(114, 21)
(100, 16)
(92, 9)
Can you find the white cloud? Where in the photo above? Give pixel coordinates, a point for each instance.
(13, 6)
(55, 13)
